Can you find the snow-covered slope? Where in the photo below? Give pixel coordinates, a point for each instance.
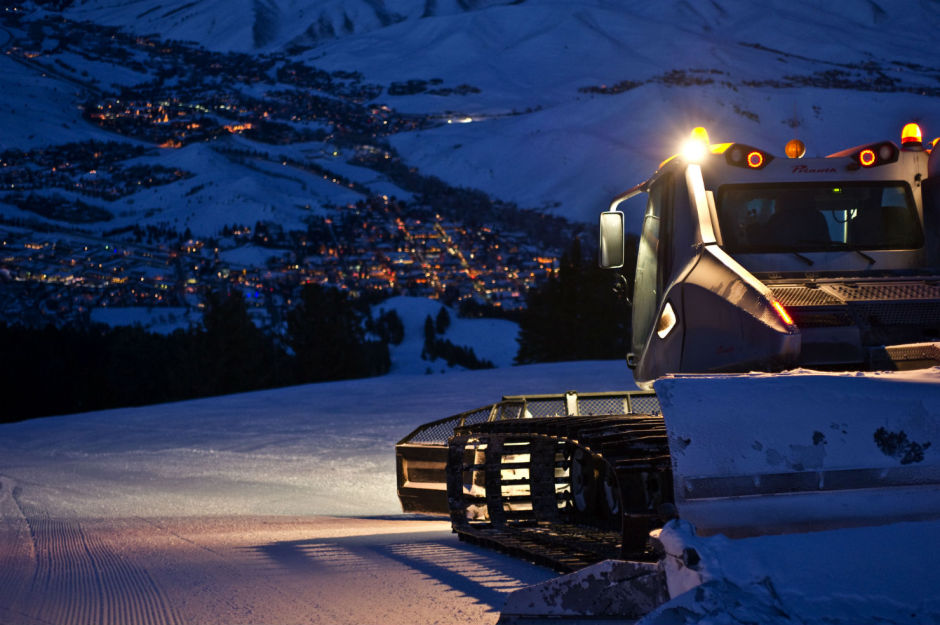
(691, 65)
(297, 450)
(490, 339)
(493, 340)
(327, 449)
(251, 25)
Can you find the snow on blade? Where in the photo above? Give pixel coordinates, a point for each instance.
(859, 575)
(761, 453)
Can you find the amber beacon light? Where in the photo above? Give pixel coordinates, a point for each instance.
(911, 136)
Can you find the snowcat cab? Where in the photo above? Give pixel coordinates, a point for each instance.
(749, 261)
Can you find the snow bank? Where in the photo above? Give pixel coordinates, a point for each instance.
(881, 574)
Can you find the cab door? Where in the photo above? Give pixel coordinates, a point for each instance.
(667, 248)
(646, 282)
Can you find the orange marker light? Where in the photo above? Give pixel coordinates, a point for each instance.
(795, 148)
(911, 134)
(755, 159)
(867, 158)
(782, 312)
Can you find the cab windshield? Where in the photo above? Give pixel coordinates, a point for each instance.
(818, 217)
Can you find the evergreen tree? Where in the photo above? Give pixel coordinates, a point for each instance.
(576, 315)
(389, 327)
(326, 332)
(429, 331)
(237, 354)
(442, 321)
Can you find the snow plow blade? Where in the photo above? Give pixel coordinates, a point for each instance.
(803, 450)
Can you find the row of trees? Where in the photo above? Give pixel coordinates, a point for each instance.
(63, 370)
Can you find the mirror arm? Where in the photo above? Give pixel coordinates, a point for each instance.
(626, 195)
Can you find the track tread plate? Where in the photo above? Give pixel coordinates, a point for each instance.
(631, 444)
(564, 548)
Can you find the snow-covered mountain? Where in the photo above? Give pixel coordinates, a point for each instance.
(570, 102)
(253, 25)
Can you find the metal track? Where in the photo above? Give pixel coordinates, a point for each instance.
(562, 491)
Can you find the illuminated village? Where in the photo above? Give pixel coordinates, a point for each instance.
(62, 260)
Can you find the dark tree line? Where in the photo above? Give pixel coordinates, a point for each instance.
(582, 313)
(75, 369)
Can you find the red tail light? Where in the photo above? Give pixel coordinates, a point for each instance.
(741, 155)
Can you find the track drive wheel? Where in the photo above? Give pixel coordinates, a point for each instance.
(583, 481)
(595, 492)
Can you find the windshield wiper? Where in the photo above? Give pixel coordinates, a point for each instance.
(839, 245)
(805, 259)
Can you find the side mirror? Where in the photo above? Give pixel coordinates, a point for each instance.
(610, 246)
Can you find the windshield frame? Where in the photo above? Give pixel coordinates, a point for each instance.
(913, 240)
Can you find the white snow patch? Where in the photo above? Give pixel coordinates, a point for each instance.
(162, 320)
(490, 339)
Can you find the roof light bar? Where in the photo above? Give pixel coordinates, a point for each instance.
(871, 155)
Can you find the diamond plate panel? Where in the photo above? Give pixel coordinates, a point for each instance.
(898, 314)
(797, 296)
(886, 292)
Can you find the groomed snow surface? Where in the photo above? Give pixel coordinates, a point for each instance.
(269, 507)
(279, 507)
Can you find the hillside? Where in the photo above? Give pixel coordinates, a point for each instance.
(569, 103)
(155, 150)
